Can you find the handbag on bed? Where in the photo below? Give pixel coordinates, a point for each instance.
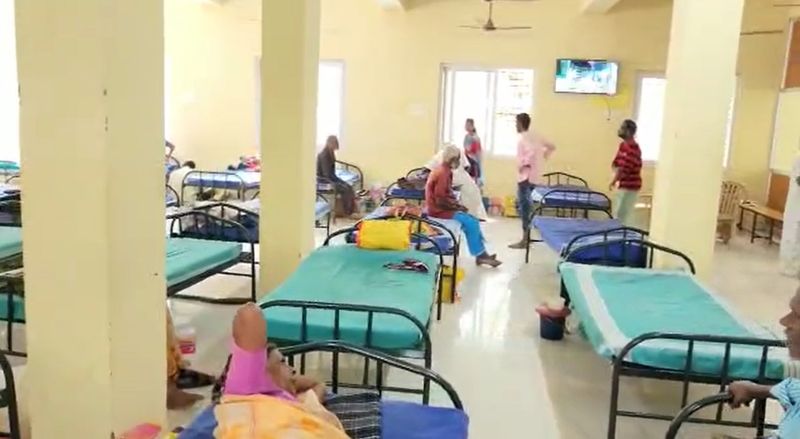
(384, 235)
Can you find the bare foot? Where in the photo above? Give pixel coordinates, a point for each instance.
(250, 328)
(177, 399)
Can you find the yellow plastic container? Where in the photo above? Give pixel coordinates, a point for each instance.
(510, 207)
(447, 279)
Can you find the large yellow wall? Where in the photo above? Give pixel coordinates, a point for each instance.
(392, 73)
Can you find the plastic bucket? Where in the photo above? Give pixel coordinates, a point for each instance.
(551, 328)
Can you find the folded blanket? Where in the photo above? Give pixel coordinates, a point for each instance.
(266, 417)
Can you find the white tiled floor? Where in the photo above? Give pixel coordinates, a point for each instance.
(513, 384)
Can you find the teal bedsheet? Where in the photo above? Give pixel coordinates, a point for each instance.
(345, 274)
(10, 241)
(615, 305)
(187, 258)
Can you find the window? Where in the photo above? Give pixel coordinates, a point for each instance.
(492, 98)
(330, 100)
(650, 117)
(9, 94)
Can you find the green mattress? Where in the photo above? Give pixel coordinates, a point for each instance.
(616, 305)
(187, 258)
(345, 274)
(10, 241)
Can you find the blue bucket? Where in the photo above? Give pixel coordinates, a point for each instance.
(551, 328)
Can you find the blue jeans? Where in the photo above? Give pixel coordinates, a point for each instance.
(524, 203)
(472, 228)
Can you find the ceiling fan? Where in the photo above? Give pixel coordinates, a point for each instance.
(489, 25)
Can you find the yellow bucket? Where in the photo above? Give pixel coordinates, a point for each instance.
(447, 282)
(510, 207)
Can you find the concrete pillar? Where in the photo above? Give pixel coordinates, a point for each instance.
(289, 69)
(701, 75)
(91, 78)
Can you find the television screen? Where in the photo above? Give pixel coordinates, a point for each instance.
(586, 76)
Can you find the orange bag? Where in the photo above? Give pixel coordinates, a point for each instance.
(384, 235)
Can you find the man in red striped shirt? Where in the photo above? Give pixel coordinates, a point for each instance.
(627, 167)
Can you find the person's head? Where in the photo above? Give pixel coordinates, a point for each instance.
(332, 143)
(451, 156)
(280, 372)
(189, 164)
(469, 126)
(627, 130)
(791, 325)
(523, 122)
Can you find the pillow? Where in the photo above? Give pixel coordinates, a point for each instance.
(384, 235)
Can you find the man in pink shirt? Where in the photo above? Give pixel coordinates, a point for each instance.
(532, 151)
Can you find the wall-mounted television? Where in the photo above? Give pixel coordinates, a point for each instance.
(586, 76)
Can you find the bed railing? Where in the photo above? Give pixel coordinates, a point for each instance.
(424, 350)
(11, 213)
(420, 237)
(687, 376)
(171, 191)
(631, 250)
(564, 179)
(570, 202)
(208, 227)
(687, 414)
(8, 400)
(222, 180)
(610, 235)
(352, 168)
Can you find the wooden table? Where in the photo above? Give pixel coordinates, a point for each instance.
(771, 215)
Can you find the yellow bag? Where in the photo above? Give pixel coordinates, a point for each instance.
(384, 235)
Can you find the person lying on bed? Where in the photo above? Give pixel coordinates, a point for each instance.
(261, 393)
(441, 203)
(787, 393)
(326, 168)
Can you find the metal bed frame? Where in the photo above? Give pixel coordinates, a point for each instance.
(328, 186)
(8, 400)
(233, 182)
(381, 359)
(423, 351)
(211, 225)
(686, 376)
(387, 193)
(171, 190)
(687, 415)
(12, 279)
(562, 178)
(582, 206)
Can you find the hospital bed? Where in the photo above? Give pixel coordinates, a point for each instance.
(347, 172)
(399, 419)
(342, 292)
(665, 325)
(246, 215)
(8, 400)
(447, 239)
(172, 198)
(571, 204)
(195, 254)
(394, 191)
(241, 183)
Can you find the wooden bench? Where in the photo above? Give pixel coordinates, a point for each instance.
(757, 211)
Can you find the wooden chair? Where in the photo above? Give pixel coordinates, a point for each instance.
(731, 196)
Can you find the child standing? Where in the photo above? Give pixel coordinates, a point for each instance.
(627, 167)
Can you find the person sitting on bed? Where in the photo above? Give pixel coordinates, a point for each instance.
(787, 393)
(326, 168)
(263, 396)
(441, 203)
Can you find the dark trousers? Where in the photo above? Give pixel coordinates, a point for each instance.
(347, 197)
(524, 203)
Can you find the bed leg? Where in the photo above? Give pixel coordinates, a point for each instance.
(613, 406)
(365, 378)
(454, 275)
(528, 245)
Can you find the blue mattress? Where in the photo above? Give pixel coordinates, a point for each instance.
(187, 258)
(399, 420)
(557, 233)
(408, 194)
(616, 305)
(345, 274)
(10, 241)
(223, 180)
(578, 196)
(171, 199)
(443, 240)
(348, 177)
